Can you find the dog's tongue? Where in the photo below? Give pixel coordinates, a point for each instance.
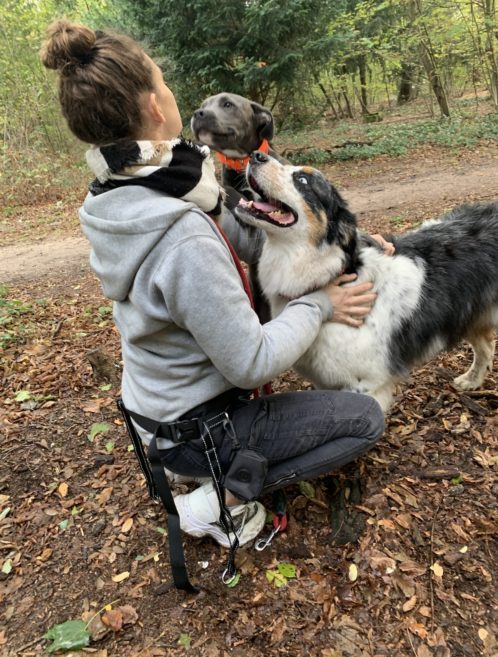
(271, 210)
(264, 207)
(282, 218)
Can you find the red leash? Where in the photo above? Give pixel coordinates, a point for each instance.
(267, 389)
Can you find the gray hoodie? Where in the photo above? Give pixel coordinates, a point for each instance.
(188, 331)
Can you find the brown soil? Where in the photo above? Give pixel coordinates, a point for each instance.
(78, 531)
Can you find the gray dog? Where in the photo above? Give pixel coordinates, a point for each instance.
(235, 127)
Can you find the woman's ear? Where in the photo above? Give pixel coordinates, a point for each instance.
(153, 110)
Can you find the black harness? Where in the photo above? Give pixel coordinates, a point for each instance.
(180, 431)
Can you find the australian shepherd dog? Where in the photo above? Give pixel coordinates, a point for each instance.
(440, 287)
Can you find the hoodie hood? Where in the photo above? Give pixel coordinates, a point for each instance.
(123, 227)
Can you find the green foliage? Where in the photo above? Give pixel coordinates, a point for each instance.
(185, 640)
(97, 429)
(234, 581)
(11, 310)
(280, 576)
(71, 635)
(397, 139)
(257, 48)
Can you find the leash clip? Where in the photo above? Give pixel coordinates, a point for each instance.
(228, 575)
(279, 525)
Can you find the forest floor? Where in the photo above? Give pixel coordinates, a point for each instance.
(393, 557)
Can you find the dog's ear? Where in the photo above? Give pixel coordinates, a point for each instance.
(341, 223)
(263, 121)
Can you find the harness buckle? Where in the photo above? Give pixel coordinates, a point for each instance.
(182, 431)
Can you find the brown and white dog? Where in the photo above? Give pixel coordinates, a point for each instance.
(440, 286)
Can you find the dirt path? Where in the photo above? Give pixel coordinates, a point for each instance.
(398, 190)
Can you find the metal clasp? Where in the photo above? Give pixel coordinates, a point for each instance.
(265, 542)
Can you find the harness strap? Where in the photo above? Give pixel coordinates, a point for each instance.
(176, 554)
(138, 446)
(158, 487)
(267, 387)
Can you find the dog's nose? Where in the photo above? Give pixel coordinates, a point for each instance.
(198, 114)
(258, 157)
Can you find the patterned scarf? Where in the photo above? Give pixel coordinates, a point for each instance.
(176, 168)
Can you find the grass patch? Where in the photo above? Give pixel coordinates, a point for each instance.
(15, 324)
(371, 140)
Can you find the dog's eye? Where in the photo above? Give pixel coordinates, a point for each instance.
(303, 180)
(227, 104)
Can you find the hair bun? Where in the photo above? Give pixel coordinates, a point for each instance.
(67, 43)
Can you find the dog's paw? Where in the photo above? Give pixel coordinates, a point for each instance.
(465, 382)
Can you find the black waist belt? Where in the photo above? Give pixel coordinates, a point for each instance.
(188, 427)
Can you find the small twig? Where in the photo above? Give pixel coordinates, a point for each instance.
(431, 554)
(30, 643)
(150, 644)
(411, 642)
(56, 329)
(97, 613)
(320, 503)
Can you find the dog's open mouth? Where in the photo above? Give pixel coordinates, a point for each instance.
(268, 209)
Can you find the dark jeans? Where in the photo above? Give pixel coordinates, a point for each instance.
(302, 434)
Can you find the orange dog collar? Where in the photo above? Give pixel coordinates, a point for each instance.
(239, 164)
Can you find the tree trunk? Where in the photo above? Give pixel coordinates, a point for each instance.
(362, 69)
(434, 79)
(329, 100)
(406, 85)
(489, 9)
(428, 58)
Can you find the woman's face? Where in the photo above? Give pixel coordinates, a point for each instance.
(167, 123)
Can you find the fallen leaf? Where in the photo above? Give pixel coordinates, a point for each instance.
(404, 520)
(113, 618)
(95, 625)
(104, 496)
(410, 604)
(353, 573)
(483, 634)
(437, 569)
(70, 635)
(130, 615)
(423, 651)
(127, 525)
(121, 577)
(45, 555)
(63, 489)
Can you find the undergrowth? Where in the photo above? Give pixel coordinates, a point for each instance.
(38, 175)
(15, 323)
(368, 141)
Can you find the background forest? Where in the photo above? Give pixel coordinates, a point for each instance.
(311, 61)
(396, 101)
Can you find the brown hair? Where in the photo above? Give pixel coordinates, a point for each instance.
(101, 77)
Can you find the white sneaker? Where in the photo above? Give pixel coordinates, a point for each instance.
(175, 478)
(199, 513)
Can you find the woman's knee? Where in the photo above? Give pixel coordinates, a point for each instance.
(375, 422)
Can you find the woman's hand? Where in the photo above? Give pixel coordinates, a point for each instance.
(350, 304)
(387, 247)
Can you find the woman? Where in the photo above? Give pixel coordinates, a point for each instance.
(192, 345)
